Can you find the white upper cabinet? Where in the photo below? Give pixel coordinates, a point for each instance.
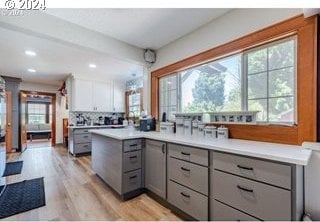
(82, 95)
(102, 97)
(95, 96)
(119, 97)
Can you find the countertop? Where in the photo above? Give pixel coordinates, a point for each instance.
(271, 151)
(88, 127)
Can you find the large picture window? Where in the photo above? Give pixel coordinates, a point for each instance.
(260, 79)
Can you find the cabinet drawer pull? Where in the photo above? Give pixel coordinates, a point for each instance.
(185, 169)
(185, 195)
(186, 154)
(244, 168)
(132, 177)
(86, 131)
(86, 146)
(85, 136)
(133, 157)
(244, 189)
(132, 145)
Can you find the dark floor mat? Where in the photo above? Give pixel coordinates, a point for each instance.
(22, 196)
(13, 168)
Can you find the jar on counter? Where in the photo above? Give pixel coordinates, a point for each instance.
(166, 128)
(201, 127)
(222, 133)
(210, 132)
(195, 127)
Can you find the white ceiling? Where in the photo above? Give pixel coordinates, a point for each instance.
(145, 28)
(54, 61)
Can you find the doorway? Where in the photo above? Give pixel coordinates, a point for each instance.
(37, 119)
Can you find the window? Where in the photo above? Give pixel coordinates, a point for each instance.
(36, 113)
(261, 79)
(271, 81)
(215, 86)
(134, 104)
(168, 96)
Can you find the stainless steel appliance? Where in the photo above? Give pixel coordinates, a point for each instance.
(2, 133)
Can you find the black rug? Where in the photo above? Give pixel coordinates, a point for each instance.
(22, 196)
(13, 168)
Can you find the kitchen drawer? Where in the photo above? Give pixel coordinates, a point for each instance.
(131, 160)
(131, 181)
(82, 138)
(257, 199)
(131, 145)
(189, 174)
(195, 155)
(81, 131)
(82, 148)
(222, 212)
(265, 171)
(189, 201)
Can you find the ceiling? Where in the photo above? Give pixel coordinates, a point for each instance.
(56, 58)
(144, 28)
(55, 61)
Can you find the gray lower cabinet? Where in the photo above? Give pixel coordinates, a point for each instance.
(188, 180)
(120, 168)
(79, 141)
(155, 167)
(253, 188)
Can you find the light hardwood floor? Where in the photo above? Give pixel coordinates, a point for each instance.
(74, 192)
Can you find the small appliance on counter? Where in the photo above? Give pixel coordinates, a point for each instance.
(120, 120)
(107, 120)
(147, 124)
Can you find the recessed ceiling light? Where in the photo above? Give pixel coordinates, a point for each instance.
(92, 65)
(30, 53)
(31, 70)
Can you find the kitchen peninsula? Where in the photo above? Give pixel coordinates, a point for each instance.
(204, 178)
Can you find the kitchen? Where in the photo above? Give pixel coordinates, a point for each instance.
(223, 130)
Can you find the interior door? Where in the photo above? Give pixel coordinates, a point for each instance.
(9, 121)
(23, 130)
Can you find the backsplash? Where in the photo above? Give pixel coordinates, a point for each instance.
(93, 115)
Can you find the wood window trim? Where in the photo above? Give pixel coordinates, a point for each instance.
(306, 31)
(139, 90)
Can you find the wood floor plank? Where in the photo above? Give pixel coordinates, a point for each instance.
(74, 192)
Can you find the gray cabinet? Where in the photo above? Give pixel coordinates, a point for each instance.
(247, 188)
(121, 170)
(155, 167)
(188, 179)
(79, 141)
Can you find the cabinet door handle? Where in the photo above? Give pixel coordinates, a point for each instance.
(186, 154)
(185, 195)
(132, 177)
(163, 148)
(185, 169)
(245, 189)
(244, 168)
(133, 157)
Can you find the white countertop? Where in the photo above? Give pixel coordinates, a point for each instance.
(88, 127)
(271, 151)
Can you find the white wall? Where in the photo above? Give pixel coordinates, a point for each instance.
(232, 25)
(61, 112)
